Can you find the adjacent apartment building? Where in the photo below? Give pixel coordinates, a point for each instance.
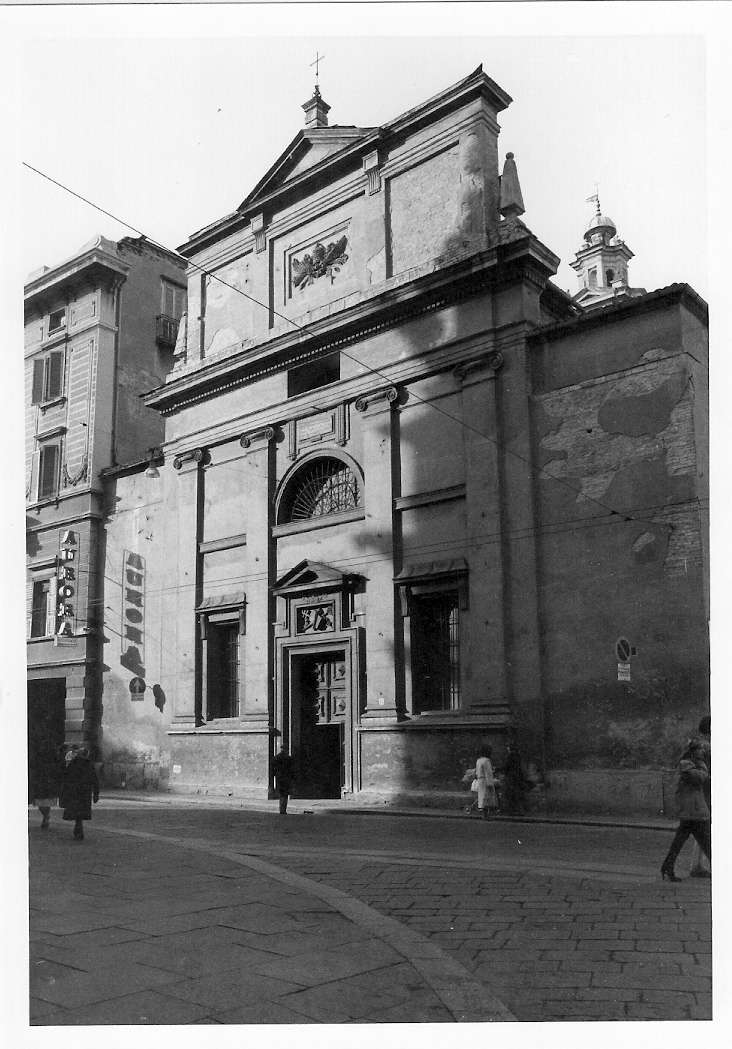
(100, 330)
(411, 494)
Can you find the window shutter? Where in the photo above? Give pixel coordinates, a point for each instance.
(173, 298)
(51, 601)
(33, 495)
(55, 375)
(38, 370)
(48, 471)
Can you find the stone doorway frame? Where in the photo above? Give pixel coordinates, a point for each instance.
(289, 649)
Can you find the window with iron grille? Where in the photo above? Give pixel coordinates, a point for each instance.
(222, 679)
(435, 641)
(48, 377)
(322, 487)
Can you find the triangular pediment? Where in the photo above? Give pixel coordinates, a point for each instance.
(308, 149)
(310, 575)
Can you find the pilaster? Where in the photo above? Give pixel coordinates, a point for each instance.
(257, 660)
(521, 585)
(379, 446)
(189, 508)
(483, 661)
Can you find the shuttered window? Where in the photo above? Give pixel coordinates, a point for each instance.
(41, 620)
(48, 377)
(48, 470)
(173, 300)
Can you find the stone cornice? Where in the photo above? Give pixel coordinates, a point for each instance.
(93, 267)
(674, 294)
(467, 277)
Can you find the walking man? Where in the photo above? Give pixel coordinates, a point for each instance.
(283, 769)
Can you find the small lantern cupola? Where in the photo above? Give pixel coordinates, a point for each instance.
(316, 111)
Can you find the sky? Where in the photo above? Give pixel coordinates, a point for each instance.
(167, 115)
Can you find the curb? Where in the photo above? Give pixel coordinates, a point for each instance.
(350, 809)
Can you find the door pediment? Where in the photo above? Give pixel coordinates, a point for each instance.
(310, 576)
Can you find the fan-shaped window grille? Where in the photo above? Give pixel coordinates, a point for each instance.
(322, 487)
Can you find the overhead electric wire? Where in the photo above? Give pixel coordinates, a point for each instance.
(308, 331)
(466, 543)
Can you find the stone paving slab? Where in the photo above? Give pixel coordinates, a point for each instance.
(250, 943)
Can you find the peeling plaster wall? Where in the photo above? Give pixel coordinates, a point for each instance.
(624, 442)
(229, 319)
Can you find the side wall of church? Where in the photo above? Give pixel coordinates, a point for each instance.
(621, 538)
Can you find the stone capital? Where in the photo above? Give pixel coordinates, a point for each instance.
(264, 433)
(380, 401)
(475, 370)
(193, 457)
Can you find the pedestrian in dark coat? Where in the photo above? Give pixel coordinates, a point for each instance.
(79, 787)
(691, 806)
(44, 779)
(513, 782)
(283, 768)
(699, 864)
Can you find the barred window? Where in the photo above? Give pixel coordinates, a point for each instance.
(324, 486)
(435, 652)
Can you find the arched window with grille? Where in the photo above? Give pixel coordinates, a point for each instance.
(322, 487)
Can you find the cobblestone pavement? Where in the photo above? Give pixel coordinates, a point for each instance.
(179, 907)
(551, 947)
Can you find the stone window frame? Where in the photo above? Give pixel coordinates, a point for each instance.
(229, 611)
(432, 579)
(61, 325)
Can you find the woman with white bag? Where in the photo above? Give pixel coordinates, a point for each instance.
(485, 783)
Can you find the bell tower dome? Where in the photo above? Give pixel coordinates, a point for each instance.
(602, 263)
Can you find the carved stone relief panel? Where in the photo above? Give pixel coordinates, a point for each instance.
(318, 263)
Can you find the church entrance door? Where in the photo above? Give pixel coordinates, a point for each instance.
(319, 705)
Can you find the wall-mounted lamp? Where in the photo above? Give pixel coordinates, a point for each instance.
(152, 470)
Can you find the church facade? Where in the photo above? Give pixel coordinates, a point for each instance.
(412, 496)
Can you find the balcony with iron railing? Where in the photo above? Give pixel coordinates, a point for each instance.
(166, 330)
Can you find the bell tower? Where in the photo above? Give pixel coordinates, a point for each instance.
(602, 263)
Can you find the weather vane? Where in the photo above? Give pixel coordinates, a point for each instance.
(318, 58)
(595, 197)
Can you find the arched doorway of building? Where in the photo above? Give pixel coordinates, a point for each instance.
(319, 702)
